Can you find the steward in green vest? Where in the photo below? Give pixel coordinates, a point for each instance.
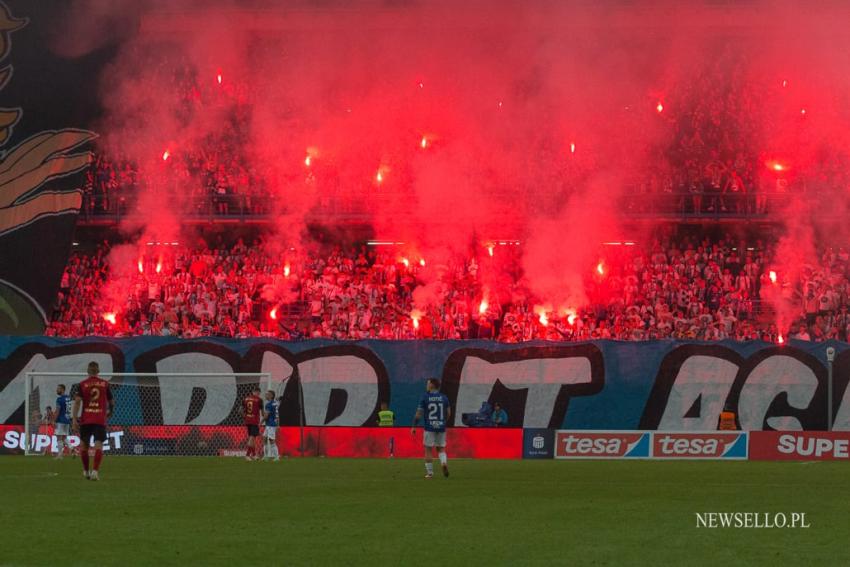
(386, 418)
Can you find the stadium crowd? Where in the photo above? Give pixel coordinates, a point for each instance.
(683, 289)
(710, 160)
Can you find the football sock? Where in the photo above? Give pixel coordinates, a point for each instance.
(443, 459)
(84, 455)
(98, 456)
(429, 468)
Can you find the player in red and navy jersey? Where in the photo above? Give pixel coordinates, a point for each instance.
(93, 405)
(252, 409)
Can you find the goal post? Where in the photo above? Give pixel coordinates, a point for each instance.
(156, 413)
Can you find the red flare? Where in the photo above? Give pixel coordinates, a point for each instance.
(165, 155)
(544, 320)
(780, 340)
(422, 262)
(659, 107)
(141, 267)
(572, 147)
(772, 276)
(423, 143)
(273, 314)
(286, 271)
(490, 250)
(109, 318)
(312, 152)
(482, 309)
(406, 262)
(600, 269)
(218, 78)
(159, 267)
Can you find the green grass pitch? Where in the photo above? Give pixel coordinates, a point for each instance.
(216, 511)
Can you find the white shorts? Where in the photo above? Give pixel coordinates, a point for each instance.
(269, 432)
(61, 428)
(435, 439)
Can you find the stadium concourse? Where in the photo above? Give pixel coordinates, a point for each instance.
(683, 288)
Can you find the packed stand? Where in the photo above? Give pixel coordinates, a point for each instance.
(683, 290)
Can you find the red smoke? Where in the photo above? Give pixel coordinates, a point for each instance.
(445, 125)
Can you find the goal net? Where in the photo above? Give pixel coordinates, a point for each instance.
(192, 414)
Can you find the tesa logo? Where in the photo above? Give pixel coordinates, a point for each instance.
(693, 445)
(610, 445)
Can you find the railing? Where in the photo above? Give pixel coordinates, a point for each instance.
(102, 209)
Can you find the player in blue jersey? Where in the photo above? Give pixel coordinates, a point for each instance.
(271, 409)
(62, 420)
(437, 411)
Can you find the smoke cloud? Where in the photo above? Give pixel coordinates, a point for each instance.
(449, 125)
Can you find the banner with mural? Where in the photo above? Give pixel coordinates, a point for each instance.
(603, 385)
(42, 156)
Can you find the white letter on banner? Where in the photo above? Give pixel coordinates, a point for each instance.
(771, 377)
(543, 377)
(12, 396)
(352, 374)
(842, 417)
(279, 369)
(700, 375)
(176, 391)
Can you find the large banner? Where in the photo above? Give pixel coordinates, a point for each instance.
(43, 153)
(604, 385)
